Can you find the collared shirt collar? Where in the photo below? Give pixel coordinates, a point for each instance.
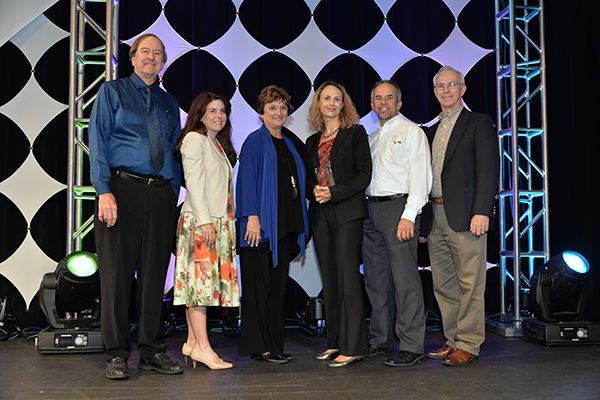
(140, 84)
(378, 123)
(452, 117)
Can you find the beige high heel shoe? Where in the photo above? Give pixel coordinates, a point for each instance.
(186, 350)
(199, 357)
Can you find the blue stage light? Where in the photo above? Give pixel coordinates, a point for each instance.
(559, 288)
(576, 261)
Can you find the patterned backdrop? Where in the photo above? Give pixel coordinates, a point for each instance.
(235, 47)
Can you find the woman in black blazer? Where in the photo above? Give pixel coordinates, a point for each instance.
(339, 170)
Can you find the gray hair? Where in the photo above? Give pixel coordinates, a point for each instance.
(449, 68)
(398, 92)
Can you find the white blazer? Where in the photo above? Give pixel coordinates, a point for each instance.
(206, 177)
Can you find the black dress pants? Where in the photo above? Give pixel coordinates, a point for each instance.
(263, 296)
(338, 249)
(141, 240)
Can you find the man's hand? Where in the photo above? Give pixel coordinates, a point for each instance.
(252, 235)
(208, 234)
(322, 194)
(406, 230)
(107, 209)
(480, 224)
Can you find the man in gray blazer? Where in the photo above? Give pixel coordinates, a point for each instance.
(466, 164)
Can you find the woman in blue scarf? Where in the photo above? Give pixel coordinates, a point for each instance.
(272, 224)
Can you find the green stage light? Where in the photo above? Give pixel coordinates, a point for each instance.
(70, 296)
(82, 264)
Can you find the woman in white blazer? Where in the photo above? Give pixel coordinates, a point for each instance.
(206, 269)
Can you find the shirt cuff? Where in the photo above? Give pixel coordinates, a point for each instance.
(102, 187)
(409, 214)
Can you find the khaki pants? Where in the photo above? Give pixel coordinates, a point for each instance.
(458, 265)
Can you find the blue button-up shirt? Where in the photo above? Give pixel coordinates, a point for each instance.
(117, 132)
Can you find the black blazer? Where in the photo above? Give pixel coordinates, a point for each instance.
(351, 166)
(470, 173)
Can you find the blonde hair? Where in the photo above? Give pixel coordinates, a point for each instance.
(348, 115)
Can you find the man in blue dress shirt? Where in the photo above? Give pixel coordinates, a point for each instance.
(133, 132)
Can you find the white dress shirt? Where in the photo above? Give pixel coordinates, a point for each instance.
(401, 164)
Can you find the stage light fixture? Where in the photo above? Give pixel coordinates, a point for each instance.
(559, 288)
(70, 296)
(8, 323)
(70, 300)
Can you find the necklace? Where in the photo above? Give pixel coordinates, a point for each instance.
(324, 136)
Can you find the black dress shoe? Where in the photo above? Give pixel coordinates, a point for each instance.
(328, 356)
(377, 351)
(339, 364)
(404, 358)
(160, 362)
(269, 357)
(286, 357)
(117, 368)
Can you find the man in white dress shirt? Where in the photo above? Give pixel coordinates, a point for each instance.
(399, 188)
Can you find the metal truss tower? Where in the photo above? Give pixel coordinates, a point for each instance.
(523, 201)
(93, 60)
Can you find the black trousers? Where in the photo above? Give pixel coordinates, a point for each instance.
(263, 296)
(338, 249)
(141, 241)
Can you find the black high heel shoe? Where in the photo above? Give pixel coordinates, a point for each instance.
(328, 356)
(338, 364)
(269, 357)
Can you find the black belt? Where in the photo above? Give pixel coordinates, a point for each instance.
(149, 181)
(386, 198)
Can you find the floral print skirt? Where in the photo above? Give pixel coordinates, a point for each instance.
(206, 275)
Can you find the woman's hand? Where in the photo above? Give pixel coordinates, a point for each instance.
(208, 234)
(322, 194)
(253, 231)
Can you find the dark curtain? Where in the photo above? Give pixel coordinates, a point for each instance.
(572, 59)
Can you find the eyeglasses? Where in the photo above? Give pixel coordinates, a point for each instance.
(450, 85)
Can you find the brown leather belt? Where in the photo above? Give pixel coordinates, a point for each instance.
(386, 198)
(437, 200)
(149, 181)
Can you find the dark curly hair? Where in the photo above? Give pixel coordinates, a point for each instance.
(273, 93)
(194, 123)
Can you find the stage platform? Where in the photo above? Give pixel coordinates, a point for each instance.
(509, 368)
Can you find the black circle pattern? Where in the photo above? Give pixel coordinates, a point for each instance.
(421, 25)
(52, 213)
(14, 145)
(357, 76)
(14, 228)
(12, 83)
(348, 24)
(414, 79)
(274, 68)
(50, 147)
(51, 80)
(436, 22)
(274, 23)
(200, 22)
(203, 72)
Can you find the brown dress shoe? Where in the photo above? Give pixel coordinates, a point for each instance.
(460, 358)
(439, 354)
